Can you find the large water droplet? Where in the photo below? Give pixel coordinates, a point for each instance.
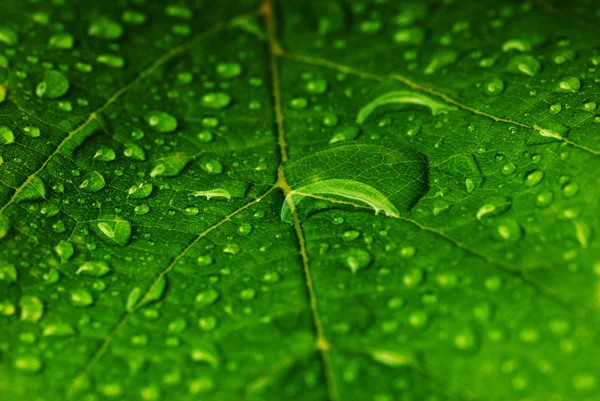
(54, 85)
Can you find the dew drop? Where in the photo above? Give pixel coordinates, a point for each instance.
(162, 122)
(64, 250)
(568, 85)
(81, 298)
(356, 259)
(54, 85)
(6, 136)
(94, 269)
(533, 178)
(105, 28)
(216, 100)
(92, 182)
(32, 308)
(211, 166)
(524, 64)
(63, 41)
(495, 86)
(229, 70)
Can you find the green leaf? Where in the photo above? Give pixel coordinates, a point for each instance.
(318, 200)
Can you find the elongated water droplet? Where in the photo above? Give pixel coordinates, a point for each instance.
(229, 70)
(105, 28)
(4, 225)
(94, 269)
(403, 98)
(533, 178)
(216, 100)
(213, 193)
(63, 41)
(140, 191)
(33, 132)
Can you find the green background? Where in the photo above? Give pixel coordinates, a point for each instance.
(142, 251)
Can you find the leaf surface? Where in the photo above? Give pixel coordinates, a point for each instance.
(308, 200)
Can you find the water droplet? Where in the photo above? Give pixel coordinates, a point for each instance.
(213, 193)
(114, 230)
(244, 229)
(110, 60)
(28, 363)
(140, 191)
(63, 41)
(316, 86)
(133, 17)
(205, 136)
(564, 55)
(92, 182)
(142, 209)
(356, 259)
(205, 260)
(555, 108)
(105, 28)
(178, 11)
(58, 330)
(533, 178)
(134, 152)
(589, 106)
(33, 132)
(8, 272)
(521, 45)
(81, 298)
(507, 230)
(94, 269)
(211, 166)
(441, 59)
(105, 154)
(412, 35)
(8, 36)
(32, 308)
(206, 298)
(299, 103)
(54, 85)
(162, 122)
(232, 249)
(229, 70)
(524, 64)
(6, 136)
(35, 190)
(495, 86)
(64, 250)
(248, 294)
(568, 85)
(466, 340)
(418, 319)
(216, 100)
(570, 190)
